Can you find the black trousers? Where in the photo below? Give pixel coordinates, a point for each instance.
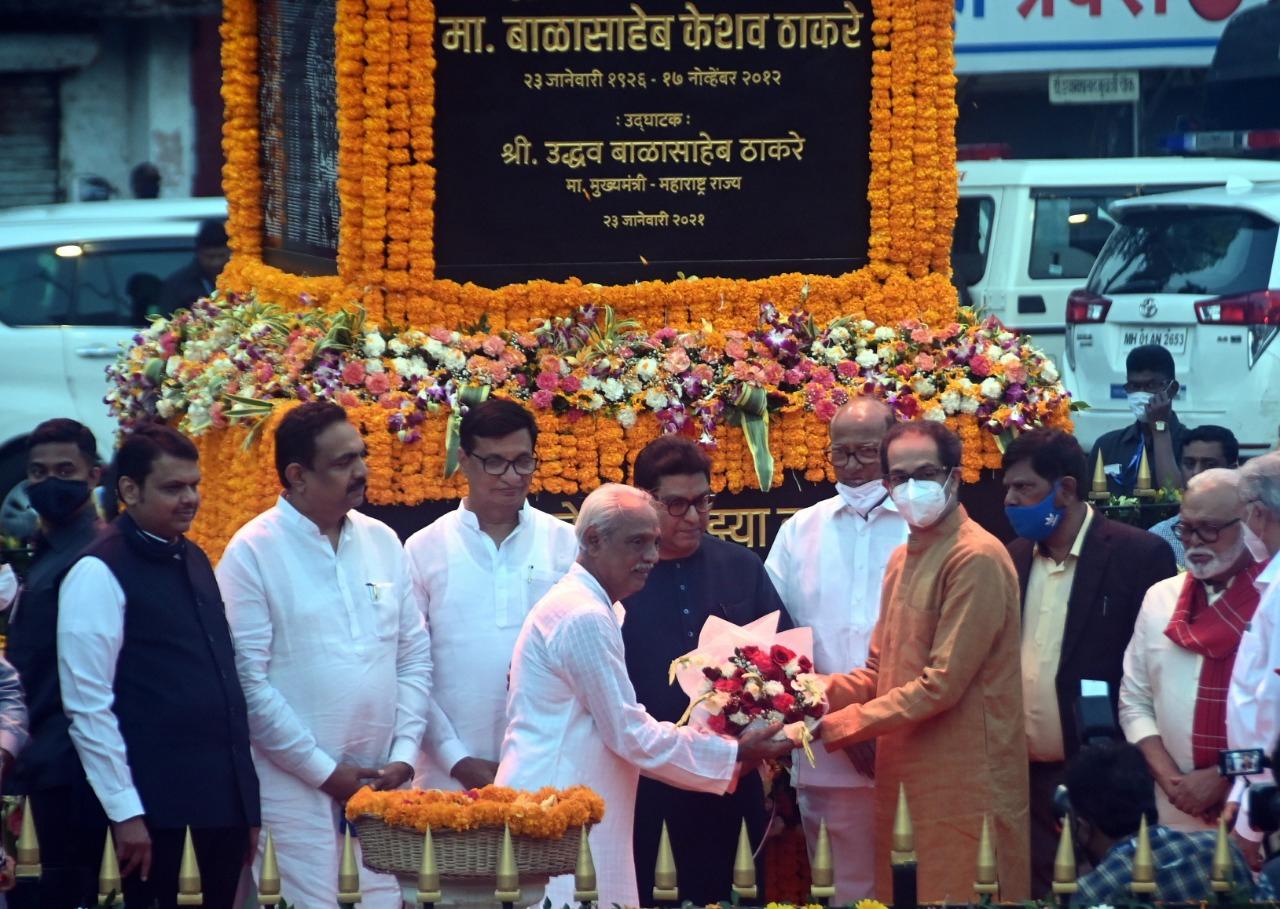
(71, 829)
(1045, 777)
(220, 853)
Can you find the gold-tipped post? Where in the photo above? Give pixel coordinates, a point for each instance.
(1144, 872)
(190, 891)
(902, 856)
(109, 875)
(1222, 872)
(822, 871)
(269, 878)
(665, 888)
(1064, 867)
(744, 867)
(428, 872)
(1143, 488)
(584, 874)
(1098, 489)
(986, 883)
(28, 847)
(348, 873)
(508, 877)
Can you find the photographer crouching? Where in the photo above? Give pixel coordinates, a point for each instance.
(1110, 790)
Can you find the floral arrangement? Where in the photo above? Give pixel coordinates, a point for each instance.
(228, 359)
(545, 814)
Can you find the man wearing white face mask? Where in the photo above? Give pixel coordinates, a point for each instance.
(1150, 387)
(1253, 702)
(828, 563)
(941, 692)
(1177, 668)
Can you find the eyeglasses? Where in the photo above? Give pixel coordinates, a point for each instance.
(897, 478)
(863, 454)
(1154, 386)
(1207, 533)
(678, 508)
(496, 465)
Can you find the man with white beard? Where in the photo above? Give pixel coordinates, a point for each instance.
(1177, 668)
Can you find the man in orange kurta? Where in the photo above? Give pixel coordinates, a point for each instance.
(941, 693)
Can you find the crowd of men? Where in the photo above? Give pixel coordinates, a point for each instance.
(502, 645)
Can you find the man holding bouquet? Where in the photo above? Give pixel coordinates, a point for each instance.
(697, 576)
(942, 689)
(572, 712)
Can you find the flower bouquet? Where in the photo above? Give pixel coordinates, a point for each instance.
(740, 676)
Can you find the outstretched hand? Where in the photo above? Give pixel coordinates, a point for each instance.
(761, 744)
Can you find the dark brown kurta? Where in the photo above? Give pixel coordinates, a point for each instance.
(942, 696)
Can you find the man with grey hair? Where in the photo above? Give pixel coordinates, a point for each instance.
(1178, 665)
(1253, 701)
(572, 715)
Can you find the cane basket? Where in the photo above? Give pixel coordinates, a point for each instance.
(463, 853)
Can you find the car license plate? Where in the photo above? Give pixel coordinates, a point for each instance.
(1173, 340)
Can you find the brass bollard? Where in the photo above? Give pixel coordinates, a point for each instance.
(190, 892)
(109, 875)
(986, 884)
(428, 873)
(348, 873)
(1144, 872)
(665, 887)
(508, 877)
(1222, 873)
(902, 856)
(1064, 868)
(744, 867)
(269, 879)
(1143, 488)
(584, 875)
(1098, 488)
(28, 847)
(822, 872)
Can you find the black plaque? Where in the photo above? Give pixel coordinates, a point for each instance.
(298, 104)
(576, 138)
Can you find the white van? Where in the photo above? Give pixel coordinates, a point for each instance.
(1027, 232)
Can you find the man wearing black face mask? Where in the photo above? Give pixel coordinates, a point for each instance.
(62, 470)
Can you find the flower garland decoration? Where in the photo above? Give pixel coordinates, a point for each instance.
(545, 814)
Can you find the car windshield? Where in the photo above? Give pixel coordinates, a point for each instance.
(1212, 252)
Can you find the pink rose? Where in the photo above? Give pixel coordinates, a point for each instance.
(570, 383)
(925, 362)
(543, 399)
(494, 346)
(677, 360)
(548, 381)
(377, 383)
(347, 399)
(353, 373)
(980, 365)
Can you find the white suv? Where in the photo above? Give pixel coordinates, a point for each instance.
(1197, 272)
(75, 283)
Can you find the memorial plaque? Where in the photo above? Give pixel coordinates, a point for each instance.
(617, 141)
(298, 104)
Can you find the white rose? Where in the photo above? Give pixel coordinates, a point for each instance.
(924, 387)
(717, 702)
(950, 401)
(173, 365)
(728, 670)
(991, 388)
(455, 359)
(839, 334)
(374, 345)
(835, 354)
(655, 399)
(435, 349)
(647, 368)
(373, 366)
(164, 408)
(866, 325)
(937, 414)
(590, 383)
(868, 358)
(613, 389)
(626, 417)
(772, 688)
(1010, 359)
(397, 347)
(401, 365)
(969, 405)
(1049, 372)
(739, 718)
(885, 333)
(415, 368)
(595, 403)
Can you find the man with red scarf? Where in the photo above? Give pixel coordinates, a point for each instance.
(1177, 668)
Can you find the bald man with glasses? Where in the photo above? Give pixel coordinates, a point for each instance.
(697, 576)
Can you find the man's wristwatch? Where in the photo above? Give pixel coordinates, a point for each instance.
(1160, 426)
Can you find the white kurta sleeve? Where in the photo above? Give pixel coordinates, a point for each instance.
(413, 674)
(588, 648)
(276, 730)
(1137, 704)
(441, 739)
(90, 636)
(1253, 700)
(778, 564)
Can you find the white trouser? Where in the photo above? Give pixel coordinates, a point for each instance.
(850, 816)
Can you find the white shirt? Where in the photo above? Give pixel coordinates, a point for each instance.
(1253, 700)
(573, 719)
(90, 636)
(828, 563)
(330, 646)
(1159, 688)
(475, 595)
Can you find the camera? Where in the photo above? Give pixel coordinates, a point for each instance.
(1264, 798)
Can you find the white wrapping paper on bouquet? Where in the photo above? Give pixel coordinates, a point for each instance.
(718, 644)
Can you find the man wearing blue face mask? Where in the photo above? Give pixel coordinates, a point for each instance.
(62, 470)
(1082, 579)
(1150, 387)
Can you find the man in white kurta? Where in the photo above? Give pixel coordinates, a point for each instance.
(477, 571)
(828, 563)
(1253, 701)
(331, 651)
(572, 712)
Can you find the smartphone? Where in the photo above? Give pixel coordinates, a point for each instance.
(1242, 762)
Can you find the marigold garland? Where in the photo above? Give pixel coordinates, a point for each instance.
(546, 814)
